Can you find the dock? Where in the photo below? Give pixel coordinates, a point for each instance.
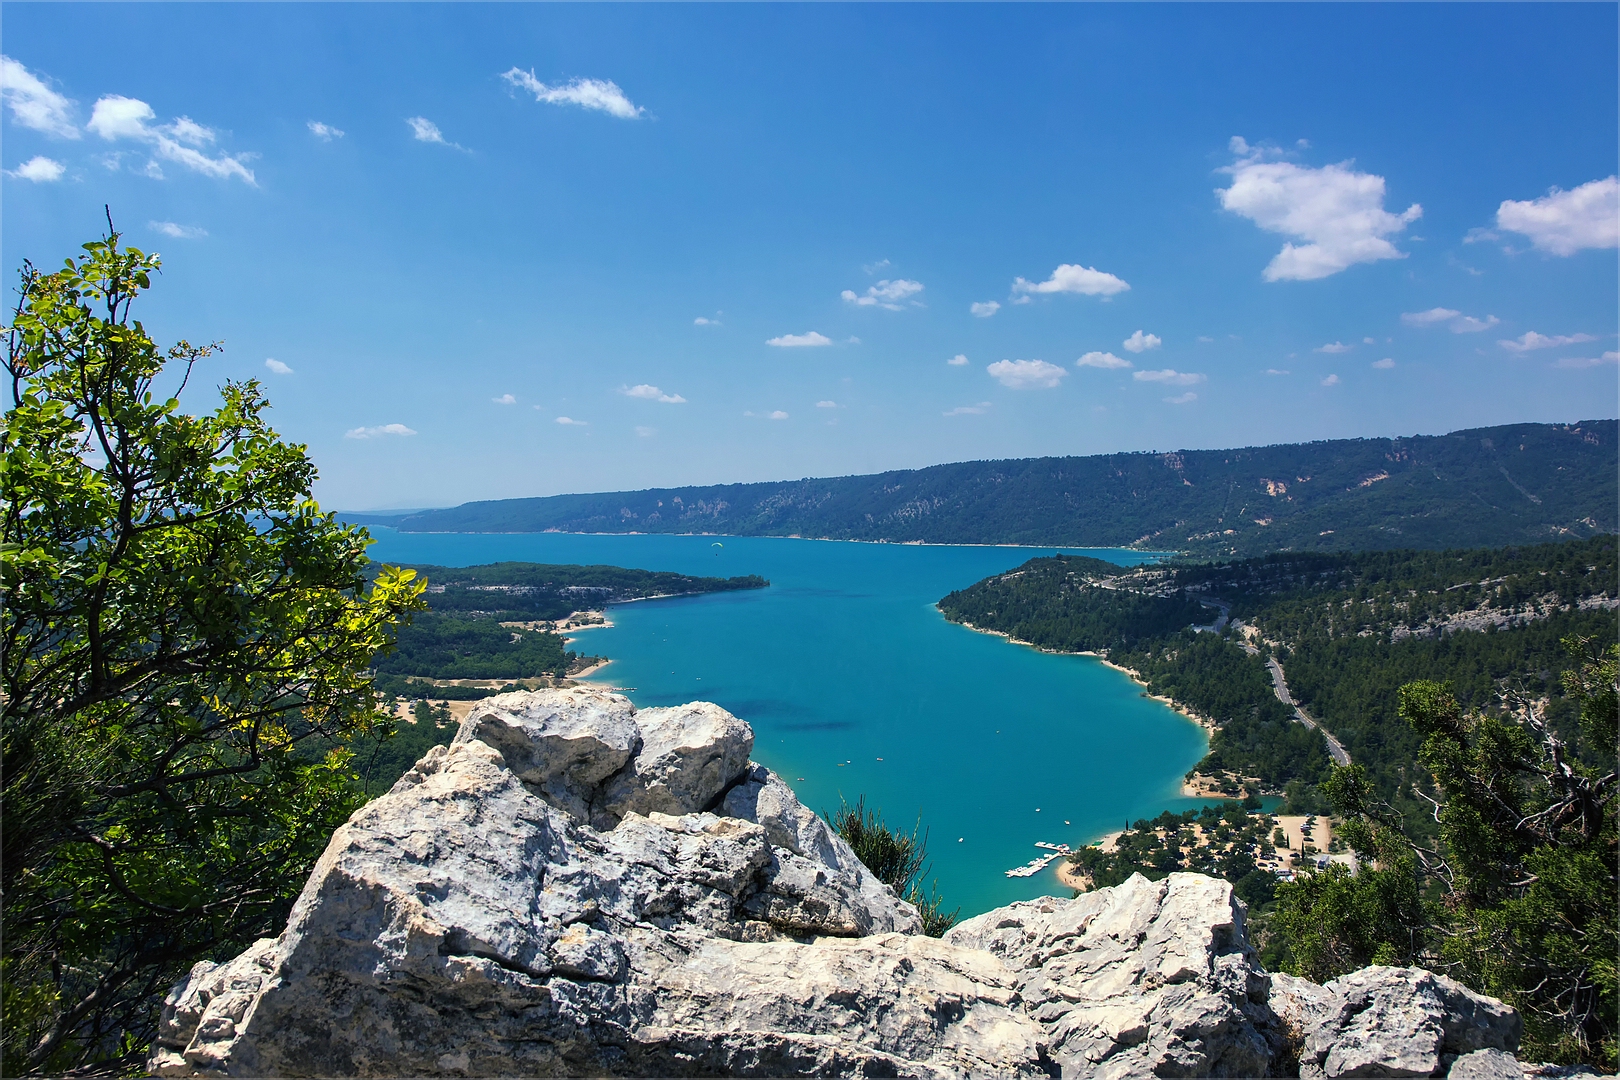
(1041, 862)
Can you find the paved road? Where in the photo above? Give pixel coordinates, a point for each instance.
(1336, 749)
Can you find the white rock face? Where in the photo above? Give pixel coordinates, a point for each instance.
(578, 888)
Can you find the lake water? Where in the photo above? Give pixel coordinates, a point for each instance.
(856, 685)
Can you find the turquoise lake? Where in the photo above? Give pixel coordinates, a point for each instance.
(856, 685)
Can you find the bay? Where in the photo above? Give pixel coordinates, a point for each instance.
(856, 685)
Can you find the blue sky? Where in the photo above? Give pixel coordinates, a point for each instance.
(478, 242)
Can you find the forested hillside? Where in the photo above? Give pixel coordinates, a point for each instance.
(1516, 484)
(496, 621)
(1349, 630)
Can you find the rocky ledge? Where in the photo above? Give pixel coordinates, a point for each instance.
(578, 887)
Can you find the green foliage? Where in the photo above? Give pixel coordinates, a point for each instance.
(446, 647)
(1233, 840)
(898, 859)
(180, 621)
(1523, 867)
(531, 591)
(1515, 484)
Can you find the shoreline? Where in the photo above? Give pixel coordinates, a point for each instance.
(1197, 718)
(818, 539)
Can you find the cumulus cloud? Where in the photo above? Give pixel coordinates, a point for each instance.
(647, 392)
(324, 132)
(1530, 341)
(114, 117)
(1170, 376)
(646, 432)
(1338, 212)
(791, 341)
(776, 414)
(1454, 320)
(703, 320)
(1564, 222)
(826, 404)
(959, 360)
(885, 294)
(1073, 278)
(1026, 374)
(602, 95)
(378, 432)
(969, 410)
(178, 231)
(33, 104)
(1102, 360)
(984, 309)
(278, 368)
(1385, 364)
(1333, 347)
(1331, 380)
(568, 421)
(1610, 357)
(1368, 341)
(1182, 399)
(1140, 342)
(39, 169)
(505, 399)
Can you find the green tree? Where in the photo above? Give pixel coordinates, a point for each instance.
(1522, 877)
(182, 627)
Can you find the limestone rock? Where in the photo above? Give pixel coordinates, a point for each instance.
(574, 887)
(1385, 1021)
(1486, 1065)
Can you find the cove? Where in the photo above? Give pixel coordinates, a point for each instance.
(854, 682)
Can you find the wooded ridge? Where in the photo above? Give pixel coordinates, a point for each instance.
(1514, 484)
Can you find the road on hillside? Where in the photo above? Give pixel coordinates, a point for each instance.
(1336, 749)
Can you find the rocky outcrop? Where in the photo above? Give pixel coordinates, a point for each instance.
(577, 887)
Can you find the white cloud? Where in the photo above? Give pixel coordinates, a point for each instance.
(178, 231)
(1531, 341)
(1610, 357)
(646, 432)
(1026, 374)
(872, 268)
(1337, 211)
(1206, 340)
(114, 117)
(324, 132)
(1456, 321)
(1278, 371)
(789, 341)
(1102, 360)
(648, 392)
(377, 432)
(1385, 364)
(1333, 347)
(959, 360)
(705, 321)
(39, 169)
(1368, 341)
(1171, 376)
(505, 399)
(568, 421)
(1073, 278)
(777, 414)
(1140, 342)
(826, 404)
(1331, 380)
(278, 368)
(603, 95)
(1182, 399)
(969, 410)
(985, 309)
(1430, 317)
(34, 104)
(885, 294)
(425, 130)
(1564, 222)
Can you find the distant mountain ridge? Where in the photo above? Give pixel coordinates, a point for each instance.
(1518, 483)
